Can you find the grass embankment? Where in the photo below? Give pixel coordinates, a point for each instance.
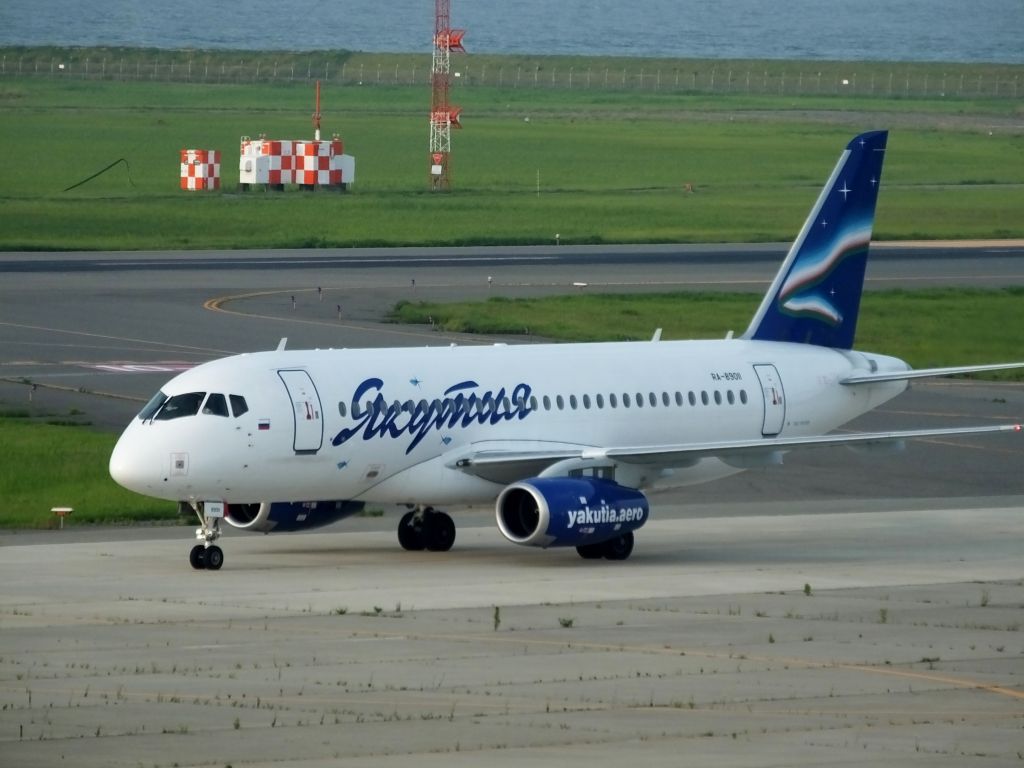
(927, 328)
(47, 465)
(777, 77)
(612, 166)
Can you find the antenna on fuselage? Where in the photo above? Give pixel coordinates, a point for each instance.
(282, 344)
(657, 335)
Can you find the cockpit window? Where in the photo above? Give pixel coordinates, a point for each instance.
(238, 405)
(152, 406)
(181, 405)
(215, 405)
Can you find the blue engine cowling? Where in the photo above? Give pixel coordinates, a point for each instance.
(287, 516)
(568, 511)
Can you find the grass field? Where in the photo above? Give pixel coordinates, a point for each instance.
(48, 465)
(591, 165)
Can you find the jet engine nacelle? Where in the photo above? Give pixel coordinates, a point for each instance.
(568, 511)
(285, 516)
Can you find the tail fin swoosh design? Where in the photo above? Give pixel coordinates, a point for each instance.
(815, 297)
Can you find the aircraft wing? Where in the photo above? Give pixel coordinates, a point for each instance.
(668, 455)
(925, 373)
(493, 463)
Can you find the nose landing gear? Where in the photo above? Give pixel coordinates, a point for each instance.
(207, 555)
(210, 557)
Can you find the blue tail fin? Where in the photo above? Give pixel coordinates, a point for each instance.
(815, 297)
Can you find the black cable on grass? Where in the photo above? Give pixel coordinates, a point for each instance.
(90, 178)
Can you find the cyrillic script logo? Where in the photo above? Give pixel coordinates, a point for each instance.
(460, 407)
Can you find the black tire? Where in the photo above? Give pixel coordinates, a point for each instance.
(410, 533)
(592, 551)
(619, 548)
(440, 532)
(214, 558)
(197, 557)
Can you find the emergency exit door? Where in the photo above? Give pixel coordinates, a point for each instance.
(774, 399)
(309, 424)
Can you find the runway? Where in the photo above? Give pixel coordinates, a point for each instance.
(337, 647)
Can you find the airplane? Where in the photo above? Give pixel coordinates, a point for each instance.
(563, 438)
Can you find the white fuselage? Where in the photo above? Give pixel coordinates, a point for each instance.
(303, 437)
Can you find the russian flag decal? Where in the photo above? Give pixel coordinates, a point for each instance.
(264, 424)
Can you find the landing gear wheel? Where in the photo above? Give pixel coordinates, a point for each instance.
(592, 551)
(439, 530)
(206, 555)
(619, 548)
(197, 557)
(214, 557)
(410, 533)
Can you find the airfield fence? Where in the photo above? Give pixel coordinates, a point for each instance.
(704, 77)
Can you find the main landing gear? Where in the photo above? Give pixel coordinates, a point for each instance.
(618, 548)
(426, 528)
(206, 555)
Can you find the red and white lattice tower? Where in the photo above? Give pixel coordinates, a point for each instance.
(443, 116)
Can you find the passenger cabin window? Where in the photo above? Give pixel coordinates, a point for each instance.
(152, 406)
(216, 405)
(181, 405)
(238, 405)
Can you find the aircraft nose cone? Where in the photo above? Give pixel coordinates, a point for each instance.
(127, 467)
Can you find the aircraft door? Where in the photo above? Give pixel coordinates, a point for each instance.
(306, 411)
(774, 399)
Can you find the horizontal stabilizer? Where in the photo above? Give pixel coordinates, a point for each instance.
(927, 373)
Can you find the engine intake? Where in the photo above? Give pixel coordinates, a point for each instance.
(285, 516)
(568, 511)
